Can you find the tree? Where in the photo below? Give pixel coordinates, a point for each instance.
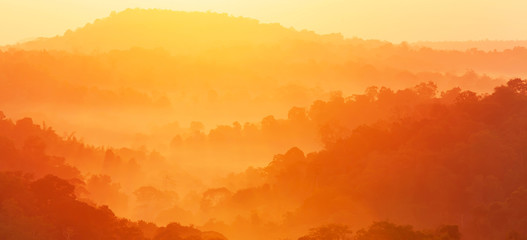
(329, 232)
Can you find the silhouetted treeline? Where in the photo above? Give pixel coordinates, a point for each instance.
(47, 208)
(455, 159)
(307, 128)
(102, 175)
(196, 72)
(484, 45)
(382, 231)
(98, 96)
(22, 148)
(163, 86)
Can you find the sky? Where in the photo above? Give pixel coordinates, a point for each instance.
(392, 20)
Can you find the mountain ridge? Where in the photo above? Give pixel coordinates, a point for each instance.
(176, 31)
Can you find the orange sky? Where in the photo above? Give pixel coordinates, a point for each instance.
(401, 20)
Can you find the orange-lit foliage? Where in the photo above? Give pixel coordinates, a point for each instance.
(211, 68)
(459, 162)
(102, 175)
(23, 149)
(453, 159)
(180, 116)
(382, 231)
(48, 209)
(170, 88)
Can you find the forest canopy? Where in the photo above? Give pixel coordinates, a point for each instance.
(170, 125)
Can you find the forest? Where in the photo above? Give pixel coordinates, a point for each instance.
(205, 126)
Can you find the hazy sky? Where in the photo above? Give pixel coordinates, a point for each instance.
(394, 20)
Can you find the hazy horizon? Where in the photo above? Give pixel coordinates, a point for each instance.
(415, 20)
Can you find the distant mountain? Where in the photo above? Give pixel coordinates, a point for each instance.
(230, 41)
(176, 31)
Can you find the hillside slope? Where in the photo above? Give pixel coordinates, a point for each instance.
(180, 32)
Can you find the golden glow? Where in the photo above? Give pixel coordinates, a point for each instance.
(140, 120)
(403, 20)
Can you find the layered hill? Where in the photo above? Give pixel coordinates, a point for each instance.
(142, 77)
(223, 38)
(179, 32)
(417, 148)
(456, 159)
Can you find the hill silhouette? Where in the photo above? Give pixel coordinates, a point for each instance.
(177, 31)
(221, 38)
(139, 78)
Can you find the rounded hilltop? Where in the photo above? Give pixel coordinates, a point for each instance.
(175, 31)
